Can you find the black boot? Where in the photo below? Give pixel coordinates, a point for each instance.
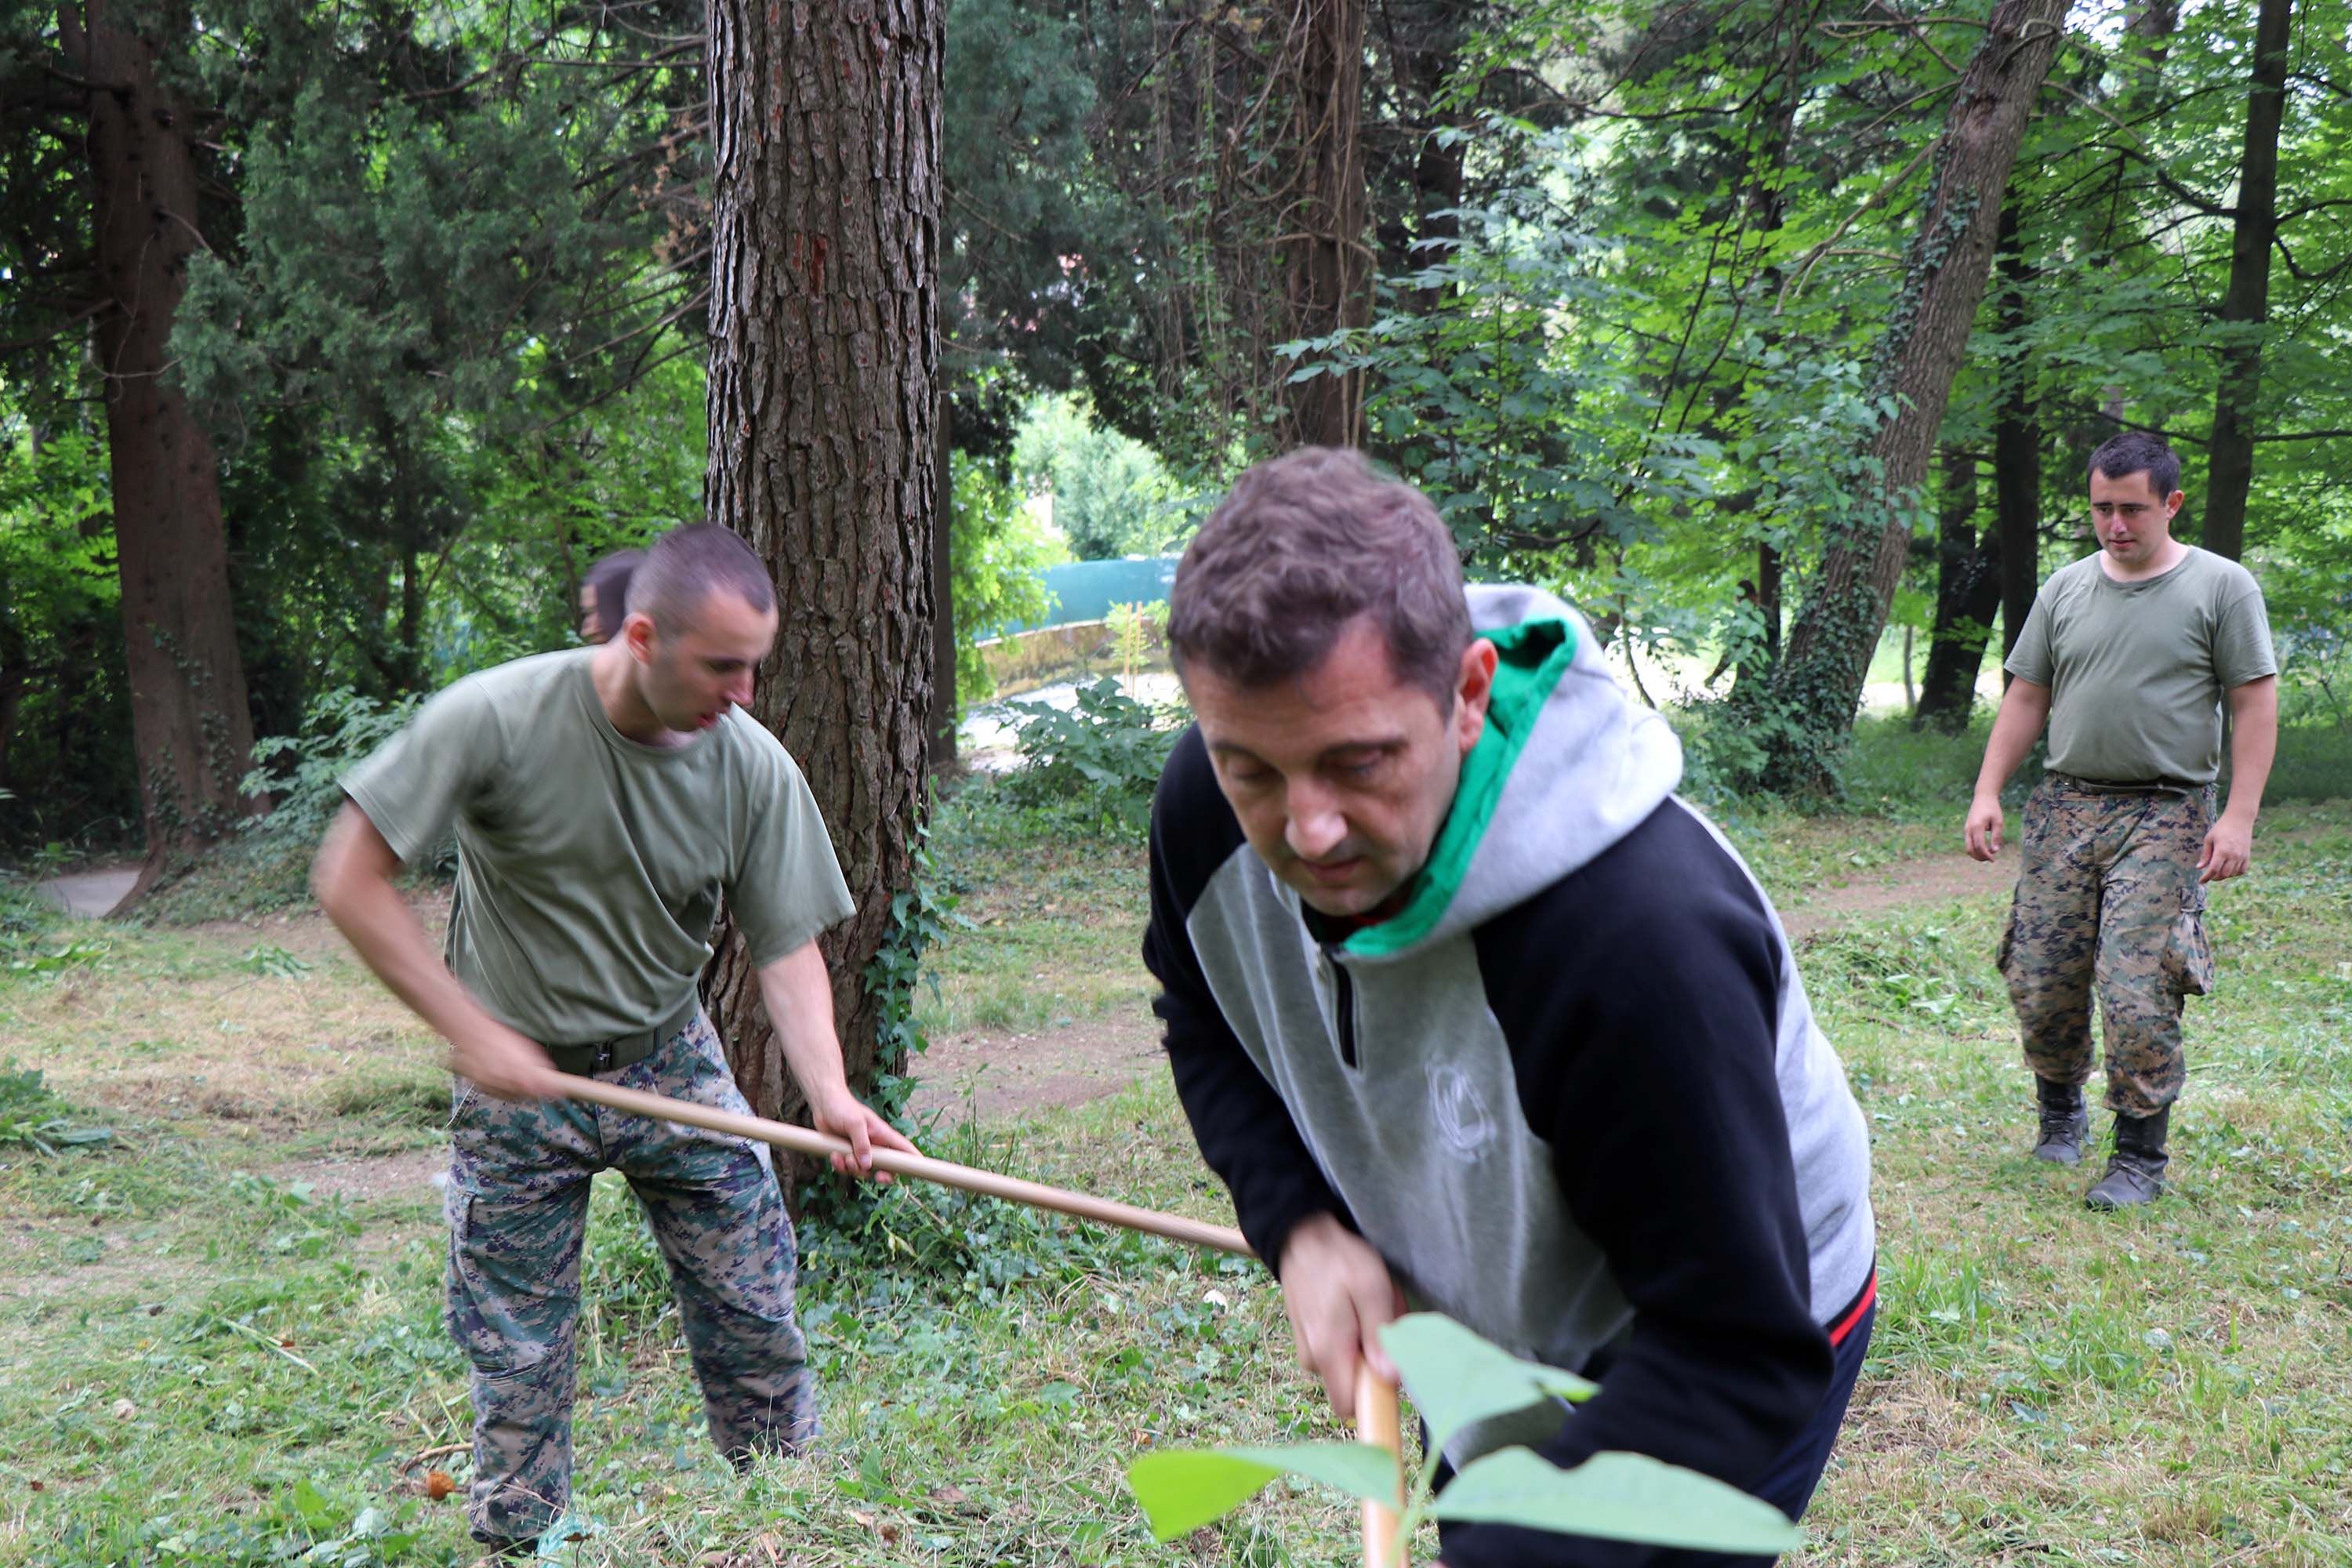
(2136, 1170)
(2065, 1122)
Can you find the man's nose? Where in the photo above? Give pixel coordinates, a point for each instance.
(1315, 824)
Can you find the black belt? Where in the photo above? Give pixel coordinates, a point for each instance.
(604, 1055)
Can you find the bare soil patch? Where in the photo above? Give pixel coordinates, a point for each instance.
(1003, 1077)
(363, 1178)
(1900, 885)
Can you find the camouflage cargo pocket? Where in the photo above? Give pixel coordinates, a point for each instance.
(2188, 951)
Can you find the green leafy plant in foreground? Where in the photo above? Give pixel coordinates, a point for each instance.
(1456, 1379)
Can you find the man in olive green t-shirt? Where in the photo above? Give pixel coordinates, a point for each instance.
(604, 799)
(2130, 656)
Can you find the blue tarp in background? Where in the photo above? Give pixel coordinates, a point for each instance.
(1085, 590)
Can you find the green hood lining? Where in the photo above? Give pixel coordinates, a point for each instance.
(1534, 655)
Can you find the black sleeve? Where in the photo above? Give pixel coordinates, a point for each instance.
(1244, 1131)
(1644, 1029)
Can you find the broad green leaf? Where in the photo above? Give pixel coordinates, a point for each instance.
(1183, 1488)
(1617, 1496)
(312, 1507)
(1457, 1379)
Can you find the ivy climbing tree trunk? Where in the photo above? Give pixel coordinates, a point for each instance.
(2246, 304)
(1819, 683)
(190, 724)
(1327, 261)
(822, 400)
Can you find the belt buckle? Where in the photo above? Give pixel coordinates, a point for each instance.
(603, 1061)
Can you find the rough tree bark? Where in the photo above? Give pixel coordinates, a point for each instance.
(824, 381)
(1327, 262)
(1819, 684)
(190, 723)
(2246, 304)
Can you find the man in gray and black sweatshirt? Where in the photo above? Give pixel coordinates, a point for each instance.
(1471, 1014)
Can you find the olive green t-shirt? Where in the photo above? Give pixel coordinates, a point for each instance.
(2137, 671)
(589, 866)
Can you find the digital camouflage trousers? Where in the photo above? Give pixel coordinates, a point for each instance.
(518, 1212)
(2109, 903)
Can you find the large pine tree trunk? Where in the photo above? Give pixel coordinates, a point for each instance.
(190, 724)
(1819, 684)
(824, 375)
(2246, 305)
(1327, 262)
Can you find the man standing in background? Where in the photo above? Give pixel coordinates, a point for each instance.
(2129, 655)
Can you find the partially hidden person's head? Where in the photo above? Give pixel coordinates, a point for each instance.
(1319, 626)
(702, 615)
(2135, 495)
(605, 595)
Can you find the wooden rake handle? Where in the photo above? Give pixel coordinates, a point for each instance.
(1376, 1398)
(922, 1167)
(1376, 1422)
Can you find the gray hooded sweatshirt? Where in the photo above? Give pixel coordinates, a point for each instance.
(1571, 1090)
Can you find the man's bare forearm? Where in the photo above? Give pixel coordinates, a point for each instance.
(2254, 745)
(352, 880)
(2023, 709)
(799, 994)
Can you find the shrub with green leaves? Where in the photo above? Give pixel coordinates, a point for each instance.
(1458, 1380)
(1100, 759)
(299, 772)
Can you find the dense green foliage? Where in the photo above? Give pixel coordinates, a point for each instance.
(1635, 261)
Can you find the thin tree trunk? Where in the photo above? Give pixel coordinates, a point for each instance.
(944, 709)
(1968, 595)
(1820, 682)
(1327, 265)
(190, 723)
(2246, 305)
(2016, 452)
(824, 394)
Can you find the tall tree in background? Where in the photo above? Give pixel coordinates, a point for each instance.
(823, 376)
(1327, 263)
(2246, 305)
(125, 276)
(1818, 685)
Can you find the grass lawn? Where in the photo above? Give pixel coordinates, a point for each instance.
(221, 1336)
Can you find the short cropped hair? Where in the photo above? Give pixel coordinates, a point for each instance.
(607, 587)
(2138, 452)
(688, 564)
(1302, 545)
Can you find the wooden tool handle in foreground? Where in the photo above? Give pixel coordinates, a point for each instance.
(1376, 1422)
(922, 1167)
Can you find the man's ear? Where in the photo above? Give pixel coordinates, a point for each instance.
(638, 632)
(2172, 504)
(1474, 689)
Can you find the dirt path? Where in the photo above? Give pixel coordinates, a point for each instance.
(1906, 884)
